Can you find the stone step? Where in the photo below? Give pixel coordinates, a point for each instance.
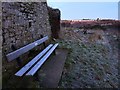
(51, 71)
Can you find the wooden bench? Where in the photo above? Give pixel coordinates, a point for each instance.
(32, 67)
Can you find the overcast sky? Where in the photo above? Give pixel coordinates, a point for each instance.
(86, 10)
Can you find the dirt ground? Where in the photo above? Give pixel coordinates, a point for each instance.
(93, 58)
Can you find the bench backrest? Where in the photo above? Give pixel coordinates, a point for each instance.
(15, 54)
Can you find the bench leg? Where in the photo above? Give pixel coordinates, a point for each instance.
(54, 52)
(19, 62)
(43, 42)
(36, 76)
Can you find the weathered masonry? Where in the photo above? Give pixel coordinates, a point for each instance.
(23, 22)
(54, 18)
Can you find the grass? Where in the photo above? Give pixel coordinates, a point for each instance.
(96, 27)
(82, 56)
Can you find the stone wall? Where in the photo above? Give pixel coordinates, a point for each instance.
(23, 23)
(54, 17)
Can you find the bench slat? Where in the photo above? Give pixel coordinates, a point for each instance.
(39, 64)
(13, 55)
(32, 62)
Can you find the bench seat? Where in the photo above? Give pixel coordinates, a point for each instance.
(43, 59)
(36, 62)
(31, 67)
(13, 55)
(32, 62)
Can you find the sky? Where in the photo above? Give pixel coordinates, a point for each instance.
(86, 10)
